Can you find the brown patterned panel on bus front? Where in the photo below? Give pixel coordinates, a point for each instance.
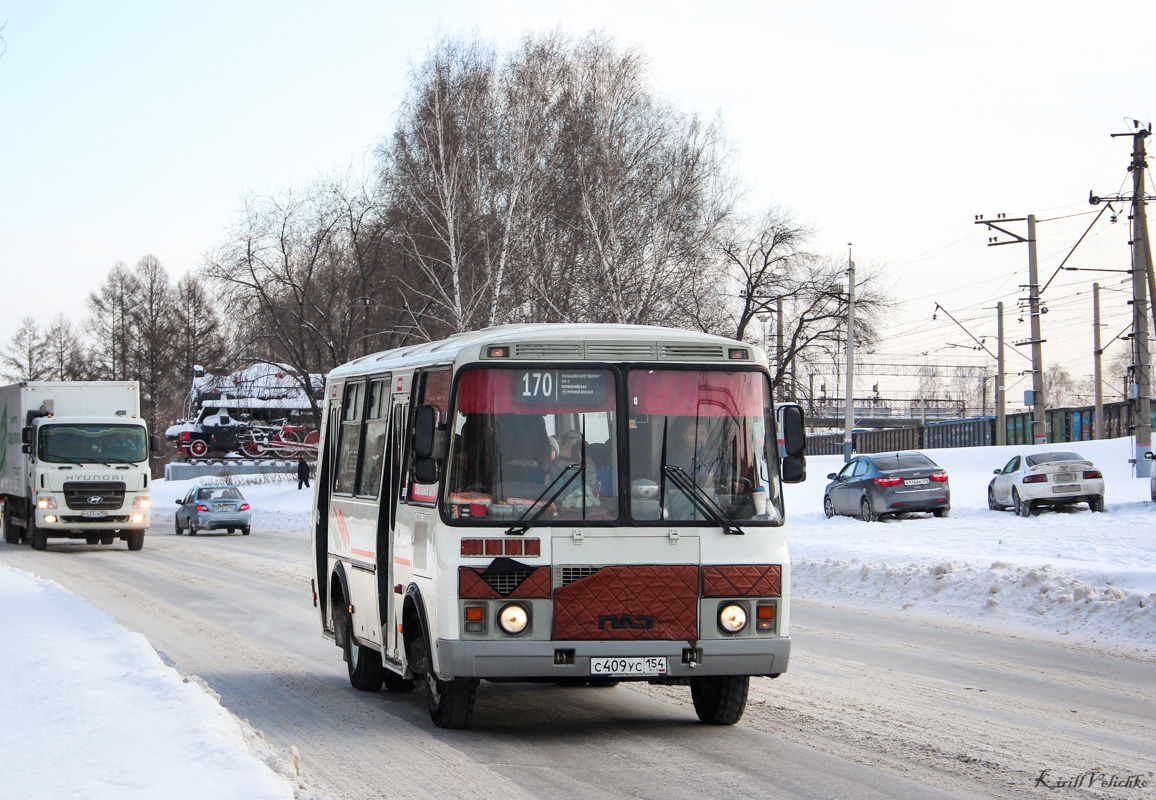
(630, 602)
(742, 580)
(472, 584)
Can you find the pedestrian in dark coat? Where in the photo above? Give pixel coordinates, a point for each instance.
(302, 472)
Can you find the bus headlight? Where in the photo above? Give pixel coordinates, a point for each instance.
(732, 618)
(46, 502)
(513, 618)
(141, 502)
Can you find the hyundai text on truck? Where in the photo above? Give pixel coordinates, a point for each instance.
(74, 462)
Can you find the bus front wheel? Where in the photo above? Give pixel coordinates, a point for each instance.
(451, 703)
(720, 699)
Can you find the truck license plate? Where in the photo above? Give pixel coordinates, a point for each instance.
(647, 665)
(93, 514)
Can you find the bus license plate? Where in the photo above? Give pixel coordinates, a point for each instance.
(649, 665)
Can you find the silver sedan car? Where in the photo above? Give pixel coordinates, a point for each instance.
(212, 508)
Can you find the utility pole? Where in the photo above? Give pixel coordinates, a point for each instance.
(1039, 429)
(1038, 404)
(849, 418)
(779, 348)
(1140, 395)
(1097, 373)
(1000, 388)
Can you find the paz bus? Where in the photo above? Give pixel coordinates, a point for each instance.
(564, 503)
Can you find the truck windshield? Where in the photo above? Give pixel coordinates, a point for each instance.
(106, 444)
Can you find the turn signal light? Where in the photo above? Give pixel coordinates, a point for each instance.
(475, 619)
(1035, 478)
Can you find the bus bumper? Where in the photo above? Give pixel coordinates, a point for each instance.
(554, 660)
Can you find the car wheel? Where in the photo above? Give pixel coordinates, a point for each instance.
(1023, 508)
(231, 530)
(1096, 504)
(828, 507)
(177, 526)
(245, 531)
(720, 699)
(992, 503)
(866, 512)
(940, 512)
(192, 529)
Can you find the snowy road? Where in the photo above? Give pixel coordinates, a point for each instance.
(876, 703)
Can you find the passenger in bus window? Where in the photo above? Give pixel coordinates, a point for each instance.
(570, 451)
(523, 454)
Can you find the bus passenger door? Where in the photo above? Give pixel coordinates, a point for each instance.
(395, 532)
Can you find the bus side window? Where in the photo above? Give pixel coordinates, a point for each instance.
(373, 444)
(434, 391)
(349, 444)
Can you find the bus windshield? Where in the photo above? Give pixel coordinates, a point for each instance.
(520, 435)
(711, 426)
(518, 431)
(106, 444)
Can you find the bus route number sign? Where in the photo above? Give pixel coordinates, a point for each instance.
(558, 386)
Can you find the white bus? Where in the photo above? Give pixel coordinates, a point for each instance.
(567, 503)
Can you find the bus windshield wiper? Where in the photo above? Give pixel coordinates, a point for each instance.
(702, 501)
(518, 528)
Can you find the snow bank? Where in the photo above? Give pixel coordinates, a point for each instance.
(89, 710)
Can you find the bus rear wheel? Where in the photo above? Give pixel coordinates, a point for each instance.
(362, 663)
(720, 699)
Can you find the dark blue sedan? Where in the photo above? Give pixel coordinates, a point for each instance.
(871, 486)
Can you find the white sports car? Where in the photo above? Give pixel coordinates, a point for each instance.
(1053, 479)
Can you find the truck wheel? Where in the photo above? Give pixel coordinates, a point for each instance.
(106, 540)
(11, 533)
(91, 539)
(720, 699)
(37, 535)
(135, 540)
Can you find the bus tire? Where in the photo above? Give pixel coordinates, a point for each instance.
(396, 683)
(451, 703)
(720, 699)
(362, 663)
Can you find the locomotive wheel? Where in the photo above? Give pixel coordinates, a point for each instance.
(198, 447)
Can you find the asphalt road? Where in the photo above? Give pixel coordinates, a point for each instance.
(875, 705)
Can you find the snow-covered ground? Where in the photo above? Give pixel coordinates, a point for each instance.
(132, 727)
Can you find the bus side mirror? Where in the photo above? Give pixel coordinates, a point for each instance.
(794, 434)
(154, 444)
(425, 431)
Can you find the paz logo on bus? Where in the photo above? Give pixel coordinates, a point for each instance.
(641, 622)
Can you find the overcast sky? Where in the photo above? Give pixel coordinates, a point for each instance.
(134, 128)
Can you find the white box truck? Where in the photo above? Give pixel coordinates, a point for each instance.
(74, 462)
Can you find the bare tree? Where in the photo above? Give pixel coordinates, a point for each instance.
(63, 353)
(198, 335)
(111, 324)
(25, 355)
(153, 357)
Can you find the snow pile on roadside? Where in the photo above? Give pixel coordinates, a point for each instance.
(91, 711)
(1072, 572)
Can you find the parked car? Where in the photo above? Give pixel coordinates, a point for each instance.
(1054, 479)
(212, 508)
(871, 486)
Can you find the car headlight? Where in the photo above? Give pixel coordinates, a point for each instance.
(46, 502)
(513, 618)
(732, 618)
(141, 502)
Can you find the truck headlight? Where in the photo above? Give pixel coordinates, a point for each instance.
(46, 502)
(141, 502)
